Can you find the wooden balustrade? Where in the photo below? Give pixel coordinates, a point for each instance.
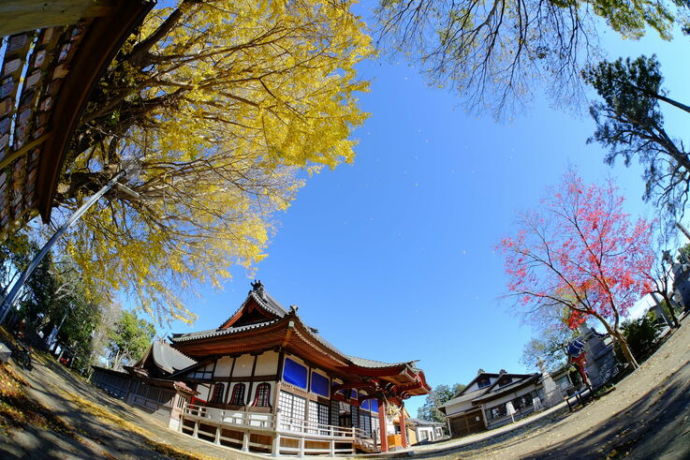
(201, 418)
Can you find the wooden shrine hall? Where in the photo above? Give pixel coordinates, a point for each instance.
(264, 381)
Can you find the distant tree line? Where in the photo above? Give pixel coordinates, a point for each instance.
(57, 313)
(435, 399)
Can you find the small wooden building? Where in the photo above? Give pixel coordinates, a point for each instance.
(426, 431)
(482, 404)
(264, 381)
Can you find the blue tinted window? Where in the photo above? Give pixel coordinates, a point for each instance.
(366, 404)
(295, 373)
(319, 384)
(374, 405)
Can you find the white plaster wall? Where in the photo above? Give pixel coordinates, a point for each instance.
(243, 366)
(203, 392)
(424, 432)
(223, 367)
(510, 397)
(475, 387)
(267, 363)
(461, 406)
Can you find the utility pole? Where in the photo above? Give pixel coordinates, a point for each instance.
(8, 301)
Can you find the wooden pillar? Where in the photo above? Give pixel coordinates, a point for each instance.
(174, 411)
(382, 426)
(251, 382)
(403, 427)
(277, 385)
(275, 448)
(301, 446)
(226, 399)
(245, 441)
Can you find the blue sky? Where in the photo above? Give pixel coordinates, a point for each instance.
(392, 258)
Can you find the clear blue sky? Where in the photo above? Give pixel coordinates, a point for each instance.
(392, 258)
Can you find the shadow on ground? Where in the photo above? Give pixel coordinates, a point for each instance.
(659, 418)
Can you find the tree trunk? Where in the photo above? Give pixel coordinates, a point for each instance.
(625, 349)
(671, 309)
(620, 339)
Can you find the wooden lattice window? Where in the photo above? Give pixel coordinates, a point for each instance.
(237, 398)
(218, 391)
(263, 395)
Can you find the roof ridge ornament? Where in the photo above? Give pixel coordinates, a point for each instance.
(258, 287)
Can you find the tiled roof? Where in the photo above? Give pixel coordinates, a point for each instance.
(271, 303)
(461, 398)
(169, 359)
(507, 388)
(420, 422)
(370, 363)
(266, 301)
(219, 332)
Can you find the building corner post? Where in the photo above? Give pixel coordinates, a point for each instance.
(403, 426)
(382, 426)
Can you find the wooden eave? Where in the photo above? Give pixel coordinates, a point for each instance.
(101, 43)
(250, 305)
(293, 336)
(512, 376)
(486, 397)
(487, 374)
(288, 333)
(247, 341)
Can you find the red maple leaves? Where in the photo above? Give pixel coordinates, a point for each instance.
(582, 251)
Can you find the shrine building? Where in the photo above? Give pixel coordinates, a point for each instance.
(264, 381)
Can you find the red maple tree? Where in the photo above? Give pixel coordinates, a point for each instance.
(580, 250)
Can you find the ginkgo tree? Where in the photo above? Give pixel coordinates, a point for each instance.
(582, 252)
(218, 110)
